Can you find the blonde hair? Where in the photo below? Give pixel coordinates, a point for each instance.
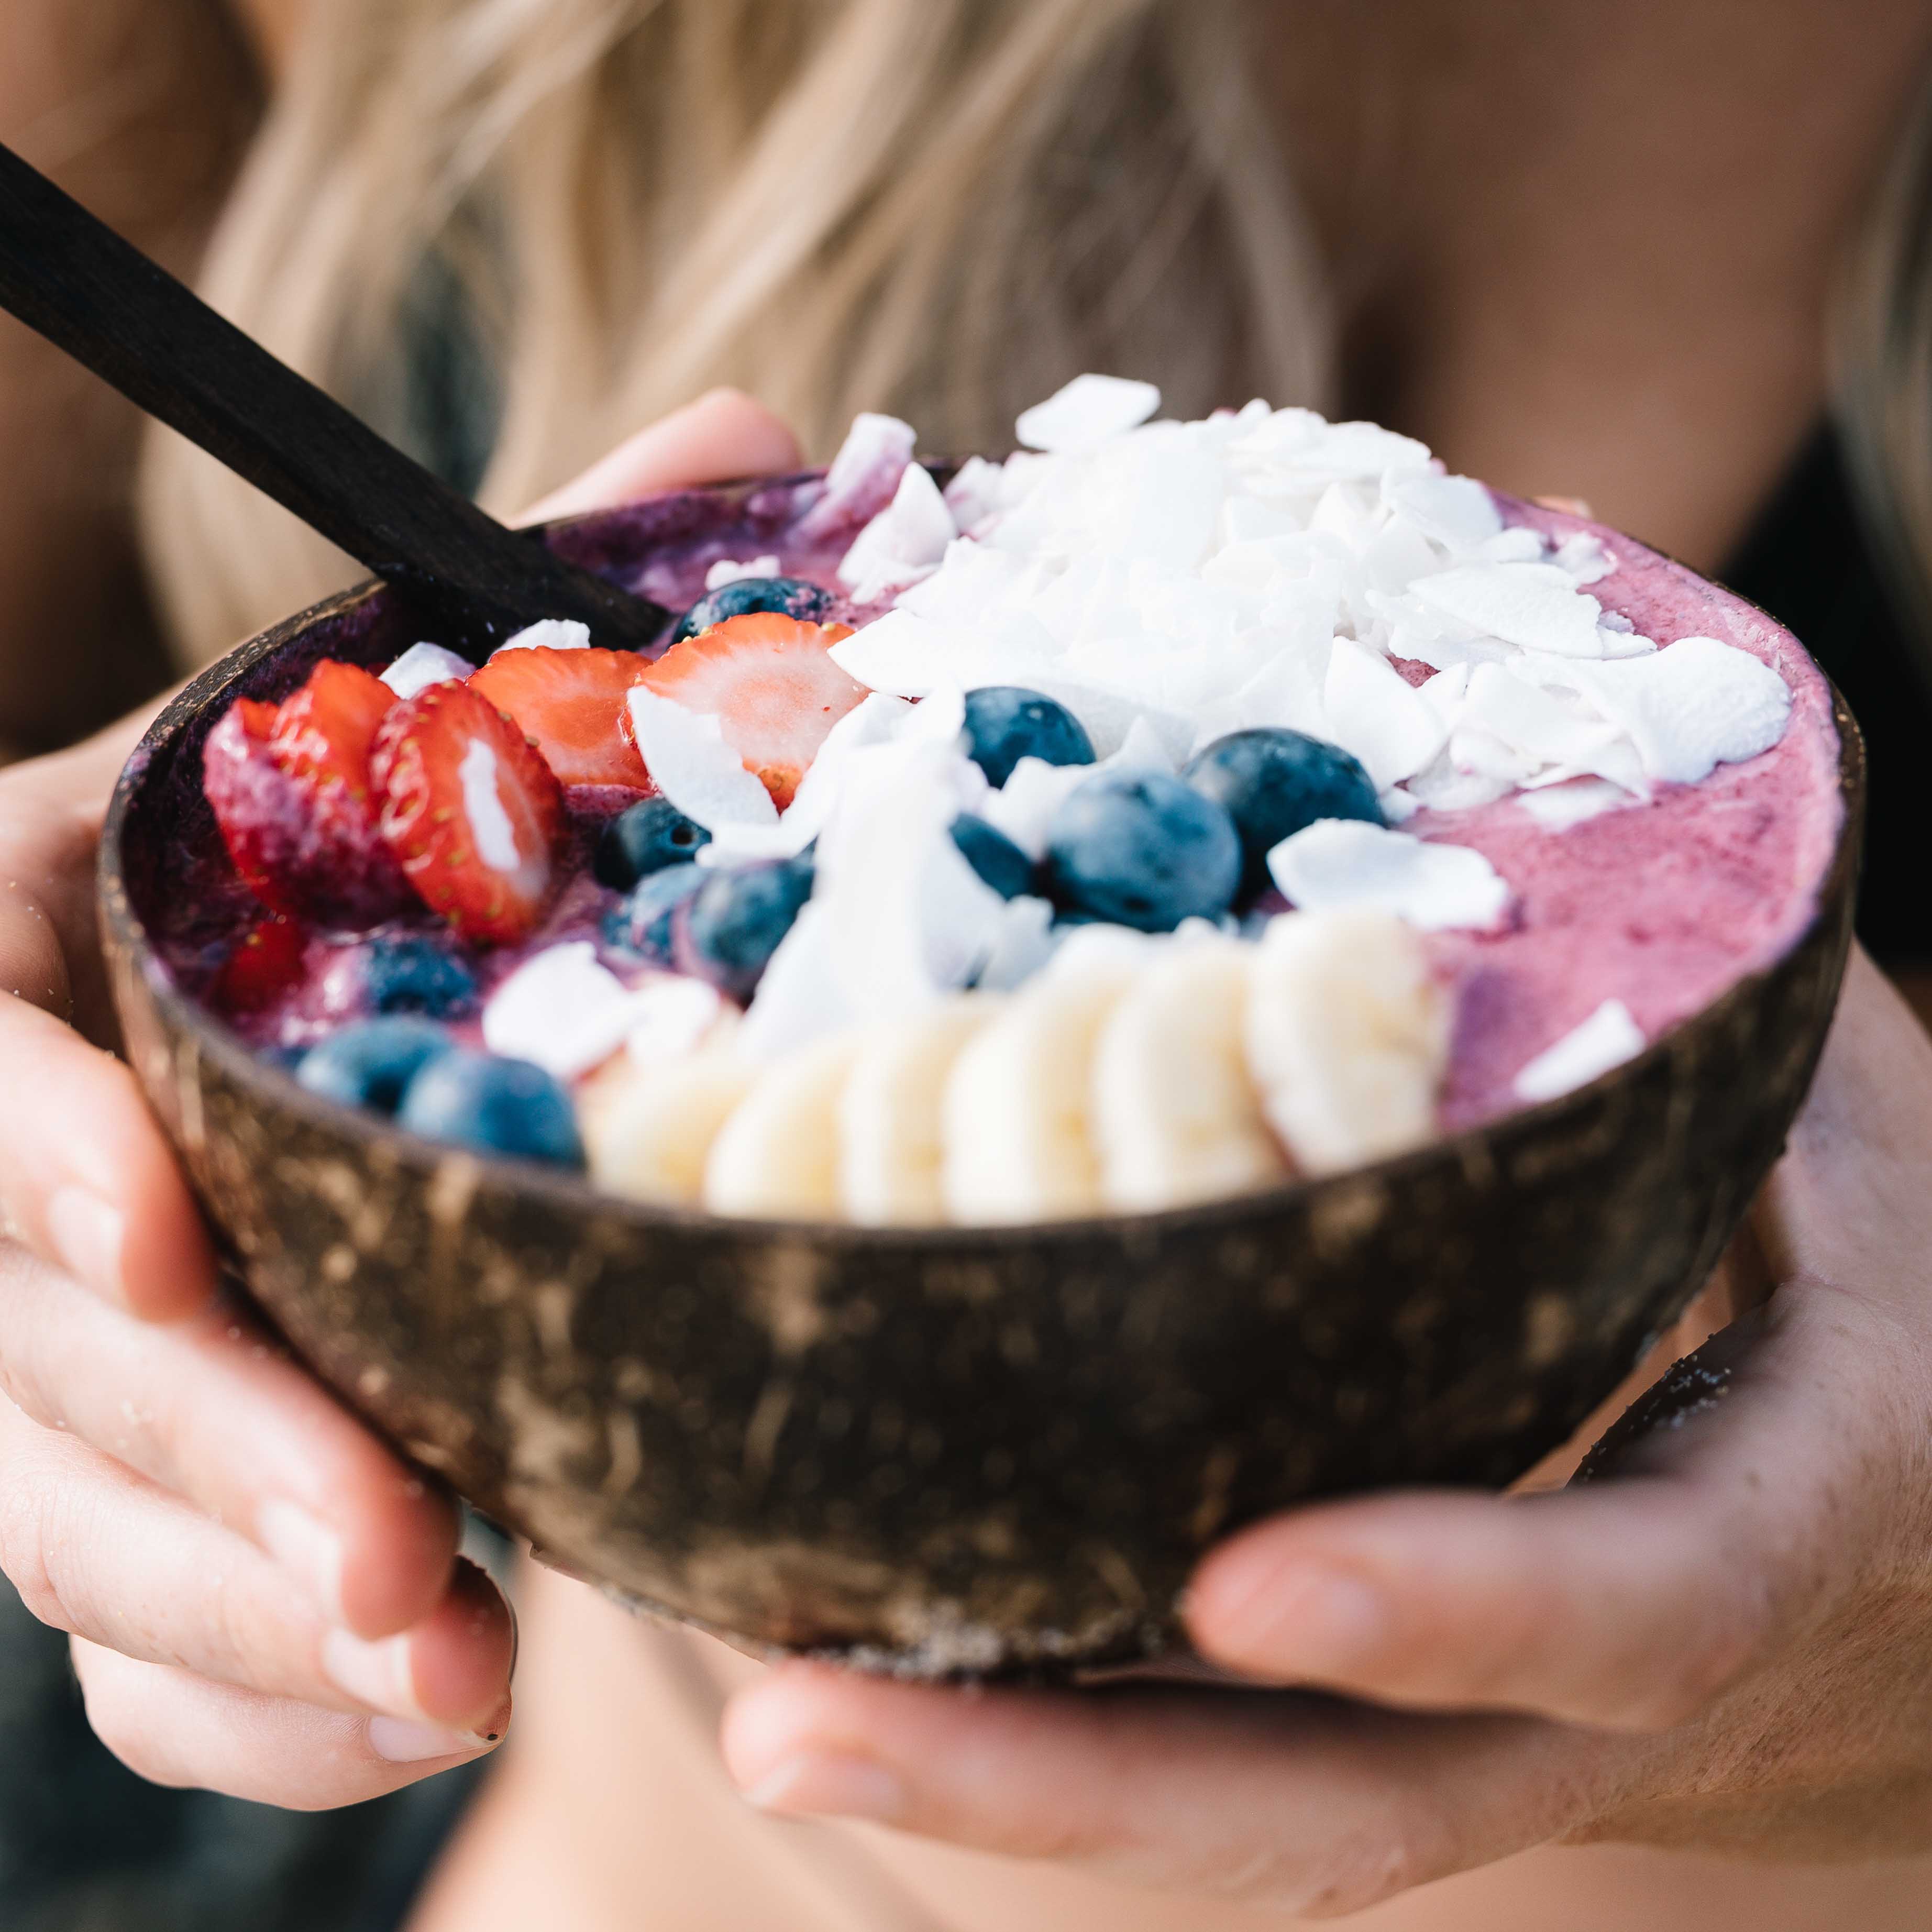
(943, 208)
(1882, 353)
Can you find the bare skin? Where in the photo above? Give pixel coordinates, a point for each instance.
(1578, 254)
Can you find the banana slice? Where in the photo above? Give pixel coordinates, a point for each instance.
(1177, 1115)
(891, 1148)
(778, 1155)
(1348, 1037)
(649, 1132)
(1019, 1146)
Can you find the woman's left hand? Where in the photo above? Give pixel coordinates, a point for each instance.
(1723, 1639)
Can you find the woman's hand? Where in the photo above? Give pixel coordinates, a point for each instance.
(1722, 1639)
(264, 1600)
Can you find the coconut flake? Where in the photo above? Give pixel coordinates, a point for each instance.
(423, 665)
(1375, 713)
(552, 633)
(668, 1015)
(686, 755)
(1025, 807)
(902, 545)
(1696, 705)
(1557, 808)
(1607, 1040)
(864, 474)
(1456, 511)
(799, 999)
(561, 1010)
(1533, 606)
(724, 571)
(1022, 946)
(1338, 861)
(1089, 411)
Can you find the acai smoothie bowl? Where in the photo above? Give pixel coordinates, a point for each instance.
(1066, 1004)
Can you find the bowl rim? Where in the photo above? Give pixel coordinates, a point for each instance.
(1479, 1146)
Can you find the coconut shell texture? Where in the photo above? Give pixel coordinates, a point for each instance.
(957, 1450)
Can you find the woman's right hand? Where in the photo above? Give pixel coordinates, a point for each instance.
(264, 1600)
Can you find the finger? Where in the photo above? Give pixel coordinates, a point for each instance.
(51, 811)
(723, 435)
(174, 1729)
(1851, 1203)
(1630, 1603)
(96, 1551)
(1286, 1800)
(87, 1180)
(210, 1411)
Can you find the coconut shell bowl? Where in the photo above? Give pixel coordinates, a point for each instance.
(956, 1450)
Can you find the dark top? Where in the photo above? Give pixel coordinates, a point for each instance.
(86, 1846)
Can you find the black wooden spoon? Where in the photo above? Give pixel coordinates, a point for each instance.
(92, 294)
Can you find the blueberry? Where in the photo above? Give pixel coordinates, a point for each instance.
(502, 1106)
(413, 974)
(735, 920)
(644, 924)
(644, 840)
(790, 595)
(1276, 783)
(1005, 725)
(993, 855)
(1144, 850)
(371, 1064)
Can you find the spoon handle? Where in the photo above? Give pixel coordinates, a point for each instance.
(90, 293)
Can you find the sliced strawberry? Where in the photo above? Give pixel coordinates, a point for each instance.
(324, 732)
(773, 686)
(470, 811)
(301, 848)
(266, 963)
(570, 703)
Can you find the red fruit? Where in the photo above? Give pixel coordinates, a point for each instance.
(301, 846)
(775, 692)
(323, 732)
(266, 963)
(570, 703)
(470, 811)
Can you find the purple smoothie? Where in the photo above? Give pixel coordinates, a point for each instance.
(1662, 906)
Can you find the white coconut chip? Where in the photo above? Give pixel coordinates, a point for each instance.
(1025, 944)
(1375, 713)
(552, 633)
(1025, 807)
(1455, 511)
(1557, 808)
(1533, 606)
(799, 999)
(1089, 411)
(561, 1010)
(1607, 1040)
(423, 665)
(1689, 708)
(725, 571)
(669, 1015)
(903, 544)
(864, 474)
(1338, 861)
(686, 754)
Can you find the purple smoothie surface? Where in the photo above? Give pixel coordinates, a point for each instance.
(1662, 906)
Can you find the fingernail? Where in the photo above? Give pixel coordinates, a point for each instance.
(379, 1674)
(1308, 1621)
(88, 1235)
(308, 1549)
(397, 1741)
(814, 1785)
